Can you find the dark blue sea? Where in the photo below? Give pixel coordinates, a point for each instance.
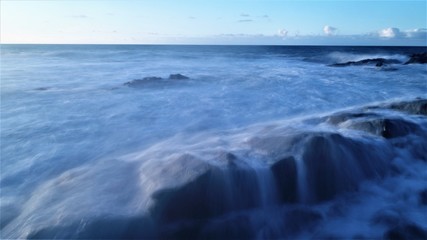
(212, 142)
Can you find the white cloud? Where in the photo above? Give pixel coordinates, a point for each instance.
(328, 30)
(416, 33)
(282, 32)
(390, 33)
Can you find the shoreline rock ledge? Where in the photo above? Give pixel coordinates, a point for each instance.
(420, 58)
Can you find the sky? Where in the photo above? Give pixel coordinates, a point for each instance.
(257, 22)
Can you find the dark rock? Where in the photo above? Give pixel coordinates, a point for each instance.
(417, 106)
(302, 219)
(213, 192)
(408, 231)
(393, 128)
(336, 164)
(152, 78)
(142, 82)
(379, 62)
(42, 88)
(344, 116)
(388, 69)
(423, 197)
(181, 230)
(100, 228)
(285, 174)
(419, 58)
(178, 77)
(387, 128)
(233, 227)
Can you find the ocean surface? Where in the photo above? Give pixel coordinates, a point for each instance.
(247, 142)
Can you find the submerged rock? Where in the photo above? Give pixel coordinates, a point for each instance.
(154, 80)
(142, 82)
(42, 88)
(178, 77)
(419, 58)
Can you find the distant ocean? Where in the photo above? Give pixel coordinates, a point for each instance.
(212, 142)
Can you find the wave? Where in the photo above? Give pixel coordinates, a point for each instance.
(292, 179)
(342, 57)
(337, 57)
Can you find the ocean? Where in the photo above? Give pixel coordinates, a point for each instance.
(212, 142)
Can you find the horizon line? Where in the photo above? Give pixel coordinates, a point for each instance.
(200, 44)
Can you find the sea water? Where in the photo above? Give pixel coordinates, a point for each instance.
(258, 142)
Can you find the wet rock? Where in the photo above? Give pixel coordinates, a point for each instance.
(233, 227)
(42, 88)
(211, 192)
(100, 228)
(408, 231)
(417, 106)
(393, 128)
(300, 219)
(344, 116)
(387, 128)
(285, 174)
(142, 82)
(419, 58)
(378, 62)
(335, 164)
(178, 77)
(423, 197)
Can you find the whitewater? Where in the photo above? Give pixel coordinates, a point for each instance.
(212, 142)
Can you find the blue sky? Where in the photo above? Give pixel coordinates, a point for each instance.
(214, 22)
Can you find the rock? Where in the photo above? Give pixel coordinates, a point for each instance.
(42, 88)
(409, 231)
(233, 227)
(300, 219)
(285, 174)
(417, 106)
(344, 116)
(419, 58)
(216, 192)
(152, 78)
(207, 192)
(100, 228)
(335, 164)
(423, 197)
(378, 62)
(142, 82)
(387, 128)
(178, 77)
